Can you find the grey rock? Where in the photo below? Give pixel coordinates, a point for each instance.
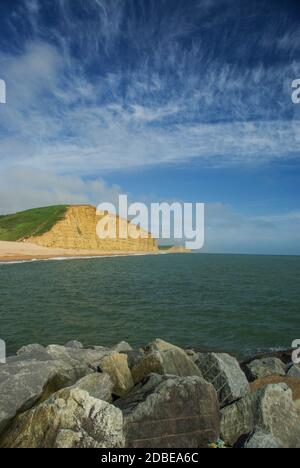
(69, 419)
(224, 372)
(134, 357)
(32, 348)
(238, 419)
(122, 347)
(166, 359)
(99, 386)
(261, 368)
(270, 410)
(30, 352)
(278, 415)
(24, 382)
(74, 344)
(170, 412)
(89, 357)
(262, 440)
(294, 371)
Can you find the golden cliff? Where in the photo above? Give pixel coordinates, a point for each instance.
(77, 230)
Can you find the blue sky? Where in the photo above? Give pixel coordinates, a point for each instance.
(161, 99)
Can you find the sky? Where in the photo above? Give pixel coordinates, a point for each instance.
(164, 100)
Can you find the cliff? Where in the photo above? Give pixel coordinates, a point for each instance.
(77, 230)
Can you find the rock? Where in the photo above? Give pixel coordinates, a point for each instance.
(170, 412)
(270, 410)
(262, 440)
(297, 404)
(169, 360)
(134, 357)
(99, 386)
(159, 345)
(291, 382)
(33, 348)
(24, 382)
(261, 368)
(278, 415)
(294, 371)
(69, 419)
(74, 344)
(237, 420)
(89, 357)
(122, 347)
(30, 352)
(116, 366)
(224, 372)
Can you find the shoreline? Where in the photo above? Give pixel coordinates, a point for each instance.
(16, 252)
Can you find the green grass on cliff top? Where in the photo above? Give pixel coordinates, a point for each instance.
(30, 223)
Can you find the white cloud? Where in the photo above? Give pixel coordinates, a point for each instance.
(175, 105)
(24, 189)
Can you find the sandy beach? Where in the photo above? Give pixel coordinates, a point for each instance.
(17, 251)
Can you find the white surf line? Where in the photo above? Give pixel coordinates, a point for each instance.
(84, 257)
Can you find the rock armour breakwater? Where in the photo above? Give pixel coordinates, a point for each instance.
(159, 396)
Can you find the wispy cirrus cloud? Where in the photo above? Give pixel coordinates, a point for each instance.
(172, 97)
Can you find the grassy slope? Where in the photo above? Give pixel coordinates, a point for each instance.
(30, 223)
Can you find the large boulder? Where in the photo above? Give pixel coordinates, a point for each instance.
(224, 372)
(261, 440)
(71, 418)
(278, 415)
(159, 345)
(122, 347)
(74, 344)
(292, 382)
(163, 358)
(116, 366)
(25, 381)
(270, 410)
(171, 412)
(89, 357)
(237, 420)
(261, 368)
(99, 386)
(294, 371)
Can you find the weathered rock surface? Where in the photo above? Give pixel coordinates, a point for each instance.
(116, 366)
(237, 420)
(99, 386)
(292, 382)
(224, 372)
(170, 412)
(162, 358)
(261, 368)
(24, 382)
(89, 357)
(30, 349)
(74, 344)
(159, 345)
(122, 347)
(134, 357)
(262, 440)
(69, 419)
(294, 371)
(270, 410)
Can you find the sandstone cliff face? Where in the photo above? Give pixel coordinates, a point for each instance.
(78, 231)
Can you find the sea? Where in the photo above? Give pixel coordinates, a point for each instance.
(242, 304)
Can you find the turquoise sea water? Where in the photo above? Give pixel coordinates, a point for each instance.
(226, 302)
